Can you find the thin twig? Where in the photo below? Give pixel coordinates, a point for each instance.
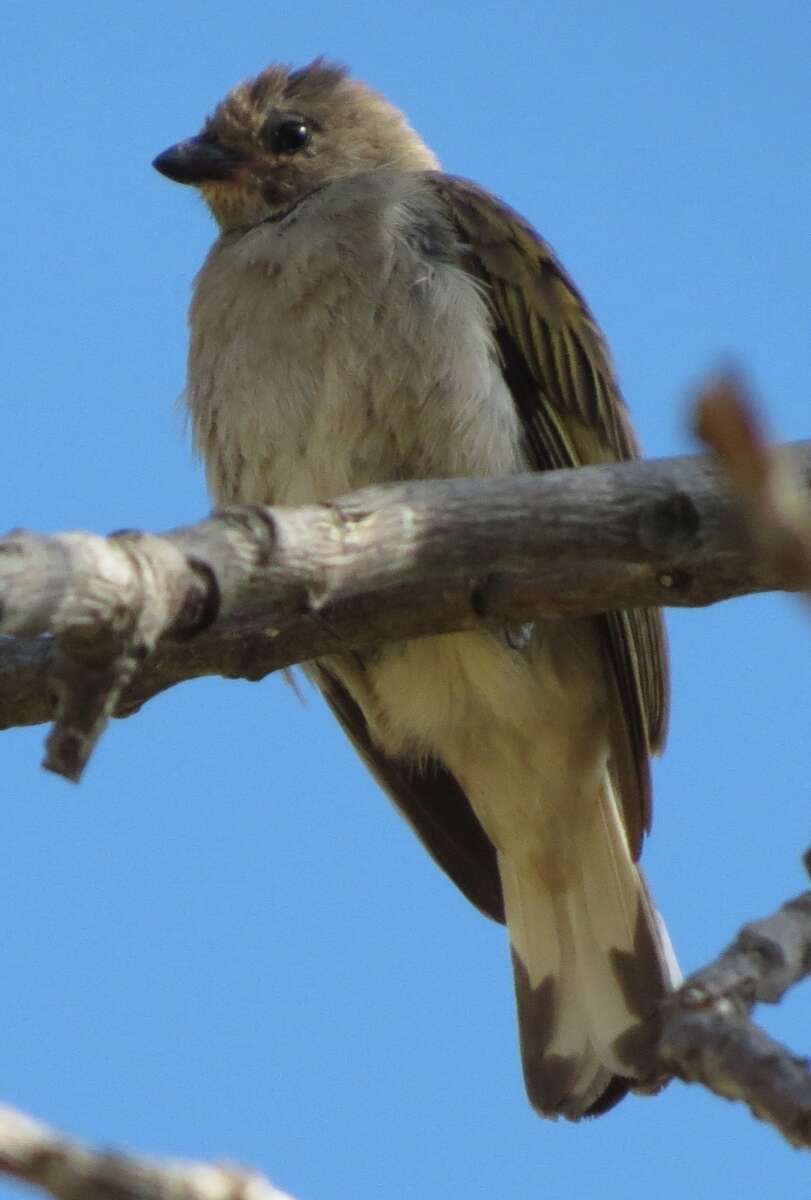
(774, 495)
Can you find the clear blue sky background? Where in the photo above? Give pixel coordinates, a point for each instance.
(224, 943)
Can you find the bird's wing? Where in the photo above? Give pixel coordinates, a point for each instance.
(429, 798)
(559, 371)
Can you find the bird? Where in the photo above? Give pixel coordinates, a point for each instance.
(361, 318)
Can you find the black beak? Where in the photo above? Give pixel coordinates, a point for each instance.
(198, 160)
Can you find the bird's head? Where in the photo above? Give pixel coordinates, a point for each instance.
(279, 136)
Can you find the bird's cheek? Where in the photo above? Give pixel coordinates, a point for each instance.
(275, 191)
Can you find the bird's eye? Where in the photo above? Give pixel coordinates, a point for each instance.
(285, 134)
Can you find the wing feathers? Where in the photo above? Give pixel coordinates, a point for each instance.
(430, 799)
(560, 375)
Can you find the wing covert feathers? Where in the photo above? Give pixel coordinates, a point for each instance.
(560, 375)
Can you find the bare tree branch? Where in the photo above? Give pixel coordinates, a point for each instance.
(708, 1037)
(250, 590)
(35, 1154)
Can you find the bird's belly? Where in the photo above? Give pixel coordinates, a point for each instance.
(525, 738)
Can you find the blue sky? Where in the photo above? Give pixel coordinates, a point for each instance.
(224, 943)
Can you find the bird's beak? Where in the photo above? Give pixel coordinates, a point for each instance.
(199, 160)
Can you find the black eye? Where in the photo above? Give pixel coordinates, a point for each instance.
(284, 133)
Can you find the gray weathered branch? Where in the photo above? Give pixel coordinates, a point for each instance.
(248, 591)
(709, 1038)
(35, 1154)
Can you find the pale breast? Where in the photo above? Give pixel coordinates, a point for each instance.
(341, 347)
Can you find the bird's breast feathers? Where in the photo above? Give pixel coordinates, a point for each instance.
(342, 346)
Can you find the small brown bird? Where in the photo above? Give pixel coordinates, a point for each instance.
(361, 318)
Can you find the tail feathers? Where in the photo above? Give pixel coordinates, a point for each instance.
(591, 963)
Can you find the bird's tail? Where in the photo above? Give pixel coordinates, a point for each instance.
(591, 962)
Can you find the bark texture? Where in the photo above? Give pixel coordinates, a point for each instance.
(248, 590)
